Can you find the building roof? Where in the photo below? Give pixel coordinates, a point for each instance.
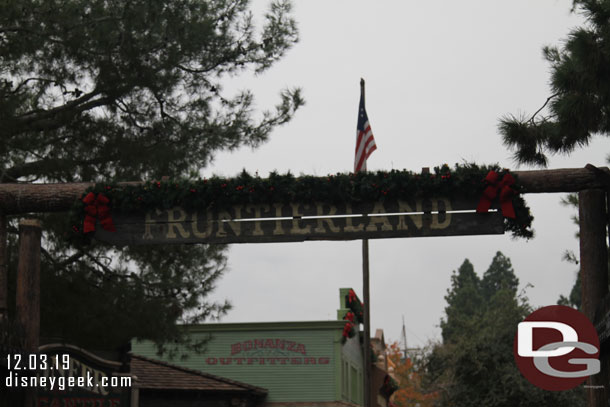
(157, 375)
(261, 326)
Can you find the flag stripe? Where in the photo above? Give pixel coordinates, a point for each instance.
(361, 136)
(364, 157)
(364, 153)
(365, 142)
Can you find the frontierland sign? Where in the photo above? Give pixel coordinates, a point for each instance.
(295, 222)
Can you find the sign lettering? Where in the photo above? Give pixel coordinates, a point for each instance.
(302, 221)
(268, 352)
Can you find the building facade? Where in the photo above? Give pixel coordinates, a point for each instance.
(312, 363)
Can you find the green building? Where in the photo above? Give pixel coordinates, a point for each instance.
(312, 363)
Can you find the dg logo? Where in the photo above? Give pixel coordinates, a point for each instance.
(556, 348)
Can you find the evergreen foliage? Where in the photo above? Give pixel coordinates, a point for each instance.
(574, 300)
(474, 365)
(123, 90)
(464, 300)
(131, 90)
(500, 276)
(579, 106)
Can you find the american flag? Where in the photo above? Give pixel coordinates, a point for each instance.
(365, 142)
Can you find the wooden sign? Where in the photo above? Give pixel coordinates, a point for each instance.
(296, 222)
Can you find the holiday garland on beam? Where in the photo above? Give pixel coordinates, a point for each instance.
(467, 181)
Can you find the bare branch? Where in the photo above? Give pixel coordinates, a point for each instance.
(531, 119)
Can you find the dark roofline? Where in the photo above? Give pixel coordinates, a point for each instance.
(259, 390)
(258, 326)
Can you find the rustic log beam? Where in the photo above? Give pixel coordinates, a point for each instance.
(33, 198)
(594, 277)
(27, 295)
(562, 180)
(593, 250)
(3, 268)
(28, 198)
(28, 282)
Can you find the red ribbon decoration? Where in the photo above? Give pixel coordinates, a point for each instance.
(97, 209)
(506, 194)
(352, 296)
(347, 329)
(349, 316)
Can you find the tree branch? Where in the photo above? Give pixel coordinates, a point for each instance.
(39, 167)
(25, 82)
(531, 119)
(61, 264)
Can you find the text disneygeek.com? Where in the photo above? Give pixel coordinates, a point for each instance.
(59, 372)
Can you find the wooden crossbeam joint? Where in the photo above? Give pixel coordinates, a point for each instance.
(602, 173)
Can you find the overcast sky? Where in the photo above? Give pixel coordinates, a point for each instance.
(439, 75)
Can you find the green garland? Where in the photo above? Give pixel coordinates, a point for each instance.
(463, 181)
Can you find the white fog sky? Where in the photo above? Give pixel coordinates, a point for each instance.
(439, 75)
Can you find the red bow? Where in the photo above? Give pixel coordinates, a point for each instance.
(352, 296)
(347, 329)
(97, 208)
(349, 316)
(506, 194)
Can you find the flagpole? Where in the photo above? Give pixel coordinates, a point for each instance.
(367, 319)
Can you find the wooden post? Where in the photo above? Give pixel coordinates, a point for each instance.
(594, 277)
(28, 291)
(3, 268)
(367, 308)
(367, 323)
(28, 282)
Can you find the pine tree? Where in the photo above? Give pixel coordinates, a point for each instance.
(499, 276)
(464, 300)
(474, 365)
(97, 90)
(579, 106)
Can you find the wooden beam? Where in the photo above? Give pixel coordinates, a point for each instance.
(28, 198)
(3, 268)
(560, 180)
(594, 278)
(28, 282)
(36, 198)
(28, 292)
(593, 250)
(367, 364)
